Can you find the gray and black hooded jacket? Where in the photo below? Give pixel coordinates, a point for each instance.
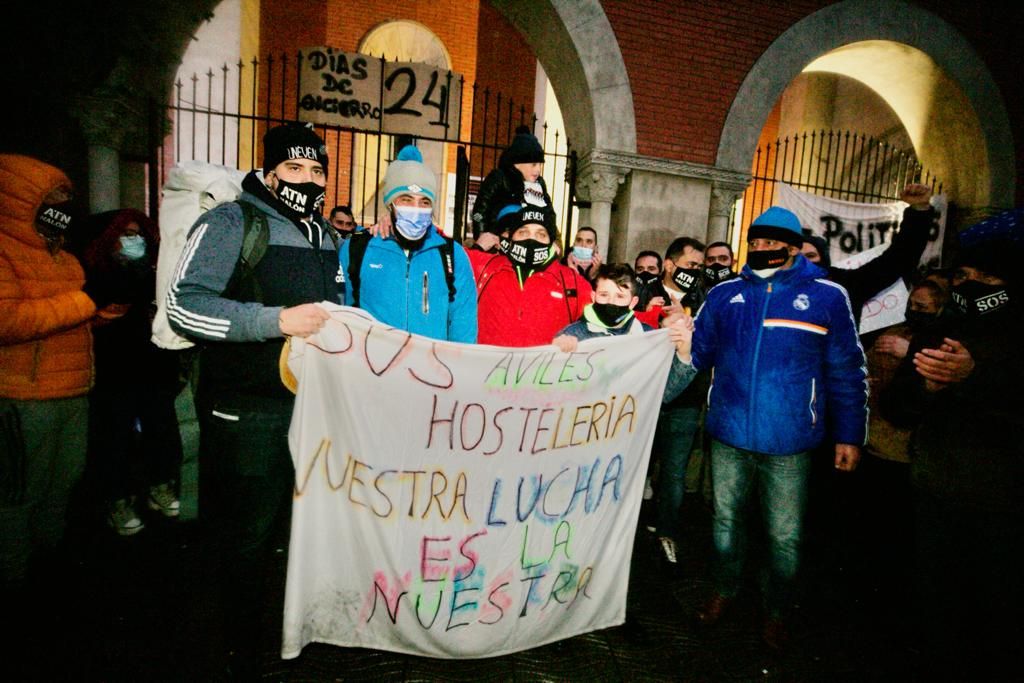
(300, 266)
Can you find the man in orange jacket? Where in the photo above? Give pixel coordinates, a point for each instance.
(45, 362)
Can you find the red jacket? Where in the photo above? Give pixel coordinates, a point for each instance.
(531, 315)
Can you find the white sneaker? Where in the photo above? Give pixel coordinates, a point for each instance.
(648, 489)
(669, 547)
(122, 518)
(162, 499)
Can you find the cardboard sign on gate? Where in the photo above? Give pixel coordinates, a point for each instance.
(366, 93)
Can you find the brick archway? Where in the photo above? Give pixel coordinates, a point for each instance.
(574, 41)
(866, 20)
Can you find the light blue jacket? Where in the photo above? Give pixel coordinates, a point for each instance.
(410, 291)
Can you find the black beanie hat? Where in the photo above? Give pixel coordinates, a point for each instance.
(292, 141)
(998, 258)
(525, 149)
(525, 215)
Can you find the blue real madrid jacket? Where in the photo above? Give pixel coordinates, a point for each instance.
(410, 292)
(788, 365)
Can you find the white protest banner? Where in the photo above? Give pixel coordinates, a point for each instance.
(852, 227)
(885, 308)
(359, 91)
(464, 501)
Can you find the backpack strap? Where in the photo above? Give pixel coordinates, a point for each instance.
(255, 239)
(448, 262)
(357, 244)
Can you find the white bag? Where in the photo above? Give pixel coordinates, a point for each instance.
(192, 189)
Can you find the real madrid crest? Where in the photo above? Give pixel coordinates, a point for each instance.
(801, 302)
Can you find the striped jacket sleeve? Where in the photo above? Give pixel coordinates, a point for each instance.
(195, 305)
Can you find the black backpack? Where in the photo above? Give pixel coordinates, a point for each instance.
(243, 284)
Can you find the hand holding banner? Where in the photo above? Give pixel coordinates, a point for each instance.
(464, 501)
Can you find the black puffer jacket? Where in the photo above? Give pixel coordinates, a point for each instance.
(502, 186)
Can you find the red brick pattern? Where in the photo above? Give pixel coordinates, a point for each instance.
(686, 60)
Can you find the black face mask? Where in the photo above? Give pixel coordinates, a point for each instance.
(975, 298)
(300, 199)
(646, 279)
(717, 272)
(686, 279)
(529, 254)
(763, 260)
(53, 220)
(610, 315)
(919, 319)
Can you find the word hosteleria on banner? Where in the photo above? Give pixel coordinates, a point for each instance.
(464, 501)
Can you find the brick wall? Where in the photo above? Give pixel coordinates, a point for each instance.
(686, 61)
(505, 65)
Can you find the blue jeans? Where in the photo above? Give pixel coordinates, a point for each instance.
(781, 482)
(673, 441)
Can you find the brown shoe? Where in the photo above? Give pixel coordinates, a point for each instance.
(713, 610)
(775, 634)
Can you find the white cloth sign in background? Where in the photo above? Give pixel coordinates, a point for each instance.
(852, 227)
(885, 308)
(857, 233)
(464, 501)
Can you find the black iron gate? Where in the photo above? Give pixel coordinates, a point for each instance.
(836, 164)
(220, 117)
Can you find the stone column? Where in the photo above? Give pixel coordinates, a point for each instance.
(599, 184)
(103, 119)
(723, 196)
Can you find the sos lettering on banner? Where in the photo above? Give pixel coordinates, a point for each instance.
(359, 91)
(464, 501)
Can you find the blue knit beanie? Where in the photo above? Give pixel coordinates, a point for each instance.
(407, 174)
(777, 224)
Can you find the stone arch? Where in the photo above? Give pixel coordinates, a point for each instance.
(854, 21)
(575, 42)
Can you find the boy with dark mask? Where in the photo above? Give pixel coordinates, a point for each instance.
(611, 315)
(524, 294)
(960, 389)
(403, 278)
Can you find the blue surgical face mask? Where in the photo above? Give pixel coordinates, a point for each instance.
(412, 222)
(133, 247)
(585, 254)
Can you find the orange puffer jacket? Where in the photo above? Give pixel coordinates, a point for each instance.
(45, 341)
